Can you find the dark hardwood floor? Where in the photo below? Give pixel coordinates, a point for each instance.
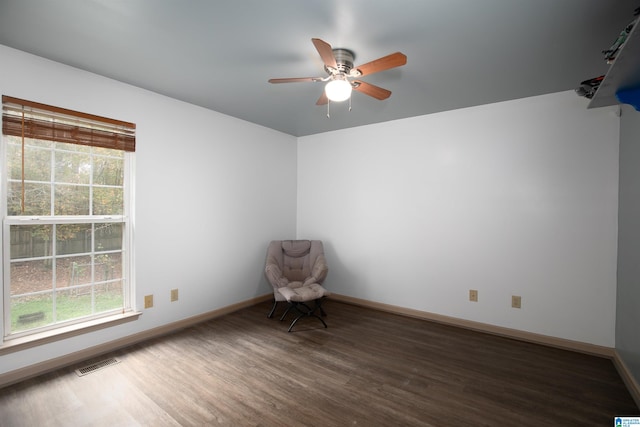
(367, 369)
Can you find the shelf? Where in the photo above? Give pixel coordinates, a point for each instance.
(624, 73)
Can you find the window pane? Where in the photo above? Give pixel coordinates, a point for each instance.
(37, 199)
(73, 168)
(108, 267)
(87, 300)
(37, 162)
(108, 237)
(72, 147)
(14, 161)
(108, 170)
(73, 271)
(31, 276)
(28, 142)
(107, 201)
(37, 165)
(30, 241)
(31, 311)
(73, 239)
(108, 152)
(108, 296)
(73, 303)
(71, 200)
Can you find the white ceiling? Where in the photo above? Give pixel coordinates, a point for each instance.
(219, 54)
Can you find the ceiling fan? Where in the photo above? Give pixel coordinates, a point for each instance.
(343, 76)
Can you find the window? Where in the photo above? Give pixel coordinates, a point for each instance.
(66, 229)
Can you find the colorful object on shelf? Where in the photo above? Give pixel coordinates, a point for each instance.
(589, 87)
(629, 96)
(611, 53)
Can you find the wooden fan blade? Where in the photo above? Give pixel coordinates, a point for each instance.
(372, 90)
(295, 79)
(326, 53)
(323, 100)
(390, 61)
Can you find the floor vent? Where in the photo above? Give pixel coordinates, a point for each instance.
(96, 366)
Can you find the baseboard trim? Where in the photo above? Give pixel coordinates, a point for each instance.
(561, 343)
(31, 371)
(627, 377)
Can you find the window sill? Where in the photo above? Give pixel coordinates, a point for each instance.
(34, 340)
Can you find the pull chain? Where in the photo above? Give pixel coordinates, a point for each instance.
(328, 111)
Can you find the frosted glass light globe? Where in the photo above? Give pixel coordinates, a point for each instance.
(338, 90)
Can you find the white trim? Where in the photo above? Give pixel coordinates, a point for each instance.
(33, 340)
(128, 245)
(4, 249)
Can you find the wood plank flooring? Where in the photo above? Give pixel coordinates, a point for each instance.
(367, 369)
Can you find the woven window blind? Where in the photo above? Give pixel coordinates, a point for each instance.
(28, 119)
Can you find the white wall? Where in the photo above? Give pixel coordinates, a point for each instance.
(628, 312)
(211, 192)
(516, 198)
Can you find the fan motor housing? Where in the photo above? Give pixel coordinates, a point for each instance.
(344, 60)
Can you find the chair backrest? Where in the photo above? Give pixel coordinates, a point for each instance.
(296, 258)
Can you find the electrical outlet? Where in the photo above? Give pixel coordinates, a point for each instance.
(174, 295)
(148, 301)
(516, 301)
(473, 295)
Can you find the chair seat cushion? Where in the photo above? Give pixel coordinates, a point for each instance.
(303, 293)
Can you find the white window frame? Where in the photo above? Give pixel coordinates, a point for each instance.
(15, 341)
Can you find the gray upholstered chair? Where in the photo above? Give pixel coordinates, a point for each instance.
(296, 270)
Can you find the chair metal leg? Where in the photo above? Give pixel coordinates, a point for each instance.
(307, 312)
(286, 312)
(273, 309)
(305, 315)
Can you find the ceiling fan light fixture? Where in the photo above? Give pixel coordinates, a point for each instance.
(338, 90)
(338, 63)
